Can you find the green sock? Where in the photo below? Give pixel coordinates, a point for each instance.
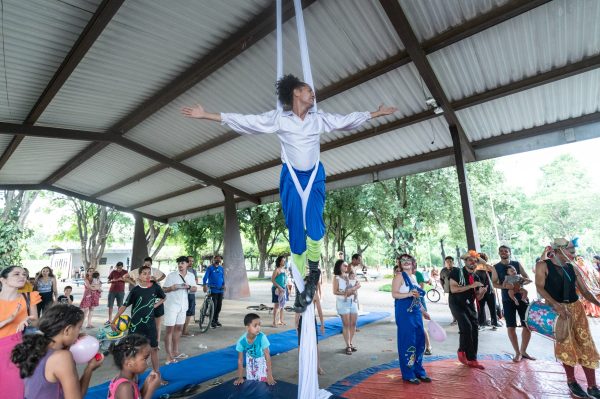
(313, 249)
(300, 262)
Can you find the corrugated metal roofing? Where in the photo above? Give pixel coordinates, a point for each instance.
(36, 158)
(544, 38)
(113, 163)
(206, 196)
(145, 46)
(259, 181)
(163, 182)
(564, 99)
(36, 37)
(429, 18)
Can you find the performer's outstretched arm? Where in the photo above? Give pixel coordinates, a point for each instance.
(244, 124)
(198, 112)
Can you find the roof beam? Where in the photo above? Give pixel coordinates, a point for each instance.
(445, 152)
(417, 54)
(95, 26)
(469, 28)
(55, 132)
(244, 38)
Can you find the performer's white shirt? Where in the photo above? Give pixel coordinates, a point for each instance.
(300, 138)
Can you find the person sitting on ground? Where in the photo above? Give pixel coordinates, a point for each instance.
(44, 360)
(66, 297)
(517, 281)
(131, 358)
(255, 345)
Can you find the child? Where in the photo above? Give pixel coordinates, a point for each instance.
(96, 281)
(258, 358)
(351, 284)
(131, 357)
(517, 281)
(144, 298)
(44, 360)
(66, 297)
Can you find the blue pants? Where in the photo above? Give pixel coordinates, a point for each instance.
(411, 340)
(292, 207)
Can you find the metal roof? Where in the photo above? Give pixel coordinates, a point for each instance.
(505, 71)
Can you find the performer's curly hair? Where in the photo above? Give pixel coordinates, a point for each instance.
(285, 89)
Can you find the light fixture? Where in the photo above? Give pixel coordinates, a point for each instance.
(432, 104)
(438, 110)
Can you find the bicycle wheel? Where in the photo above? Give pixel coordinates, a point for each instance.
(433, 295)
(206, 314)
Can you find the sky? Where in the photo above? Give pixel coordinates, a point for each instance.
(523, 170)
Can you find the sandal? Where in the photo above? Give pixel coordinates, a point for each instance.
(353, 348)
(348, 350)
(526, 356)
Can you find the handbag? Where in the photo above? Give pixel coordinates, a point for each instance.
(29, 330)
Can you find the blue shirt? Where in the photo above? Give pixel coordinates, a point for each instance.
(215, 277)
(256, 349)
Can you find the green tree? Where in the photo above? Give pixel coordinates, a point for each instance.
(15, 206)
(263, 225)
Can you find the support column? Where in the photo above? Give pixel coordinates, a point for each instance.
(236, 279)
(140, 249)
(465, 195)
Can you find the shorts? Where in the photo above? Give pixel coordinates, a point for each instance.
(511, 310)
(191, 305)
(174, 317)
(346, 306)
(148, 330)
(159, 311)
(119, 296)
(275, 297)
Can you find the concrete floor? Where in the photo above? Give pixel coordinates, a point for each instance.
(376, 342)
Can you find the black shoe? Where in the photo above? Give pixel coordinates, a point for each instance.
(218, 324)
(424, 378)
(213, 325)
(413, 381)
(300, 302)
(594, 392)
(576, 390)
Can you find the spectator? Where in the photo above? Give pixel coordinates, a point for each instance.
(340, 255)
(347, 310)
(28, 287)
(66, 297)
(145, 296)
(191, 311)
(279, 290)
(177, 286)
(255, 345)
(44, 360)
(421, 281)
(489, 298)
(45, 284)
(511, 310)
(91, 296)
(214, 278)
(117, 288)
(445, 280)
(157, 276)
(17, 311)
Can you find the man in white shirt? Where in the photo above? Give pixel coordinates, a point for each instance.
(302, 181)
(177, 285)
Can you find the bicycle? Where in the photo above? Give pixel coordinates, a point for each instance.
(432, 293)
(207, 311)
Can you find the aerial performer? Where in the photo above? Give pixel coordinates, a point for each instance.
(299, 126)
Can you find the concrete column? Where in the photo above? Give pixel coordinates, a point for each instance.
(236, 279)
(140, 250)
(465, 196)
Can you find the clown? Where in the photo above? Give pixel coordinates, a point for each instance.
(302, 180)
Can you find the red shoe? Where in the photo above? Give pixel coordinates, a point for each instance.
(462, 357)
(475, 364)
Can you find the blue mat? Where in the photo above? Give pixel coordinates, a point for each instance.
(253, 390)
(198, 369)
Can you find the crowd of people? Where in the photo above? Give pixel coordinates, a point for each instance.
(560, 279)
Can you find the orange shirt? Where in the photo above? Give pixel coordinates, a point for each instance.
(8, 307)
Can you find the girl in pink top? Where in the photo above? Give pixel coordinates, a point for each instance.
(131, 357)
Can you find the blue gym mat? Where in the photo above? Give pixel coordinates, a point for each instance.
(201, 368)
